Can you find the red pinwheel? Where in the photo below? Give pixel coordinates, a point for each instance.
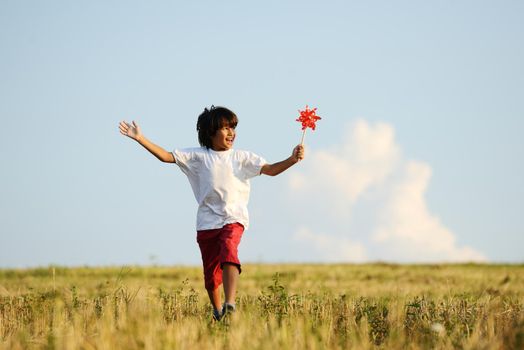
(308, 118)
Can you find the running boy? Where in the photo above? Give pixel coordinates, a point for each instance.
(219, 176)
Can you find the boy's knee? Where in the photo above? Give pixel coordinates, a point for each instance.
(212, 284)
(228, 264)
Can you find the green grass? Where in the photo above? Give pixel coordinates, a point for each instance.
(383, 306)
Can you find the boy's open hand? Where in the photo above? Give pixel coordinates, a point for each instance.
(132, 131)
(298, 153)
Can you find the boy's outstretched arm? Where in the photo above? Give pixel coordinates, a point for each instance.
(133, 131)
(277, 168)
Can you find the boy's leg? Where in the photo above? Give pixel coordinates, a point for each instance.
(210, 249)
(214, 297)
(229, 279)
(230, 239)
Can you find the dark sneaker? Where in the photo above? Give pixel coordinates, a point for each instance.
(227, 310)
(217, 315)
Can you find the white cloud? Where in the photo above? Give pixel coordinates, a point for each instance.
(410, 229)
(368, 154)
(368, 174)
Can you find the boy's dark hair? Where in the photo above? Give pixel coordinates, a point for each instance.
(212, 119)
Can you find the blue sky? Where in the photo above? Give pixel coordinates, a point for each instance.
(418, 156)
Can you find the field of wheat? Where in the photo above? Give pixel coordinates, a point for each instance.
(369, 306)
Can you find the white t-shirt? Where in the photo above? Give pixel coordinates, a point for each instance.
(220, 183)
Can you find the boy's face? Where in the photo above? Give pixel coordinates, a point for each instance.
(224, 138)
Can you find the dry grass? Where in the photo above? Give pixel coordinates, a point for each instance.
(280, 307)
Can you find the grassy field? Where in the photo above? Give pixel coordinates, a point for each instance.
(279, 307)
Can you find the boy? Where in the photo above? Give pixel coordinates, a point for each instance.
(219, 177)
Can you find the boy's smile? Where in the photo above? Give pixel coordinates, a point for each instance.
(223, 139)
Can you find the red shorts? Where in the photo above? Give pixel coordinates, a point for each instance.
(219, 246)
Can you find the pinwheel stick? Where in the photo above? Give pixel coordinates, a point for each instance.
(303, 137)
